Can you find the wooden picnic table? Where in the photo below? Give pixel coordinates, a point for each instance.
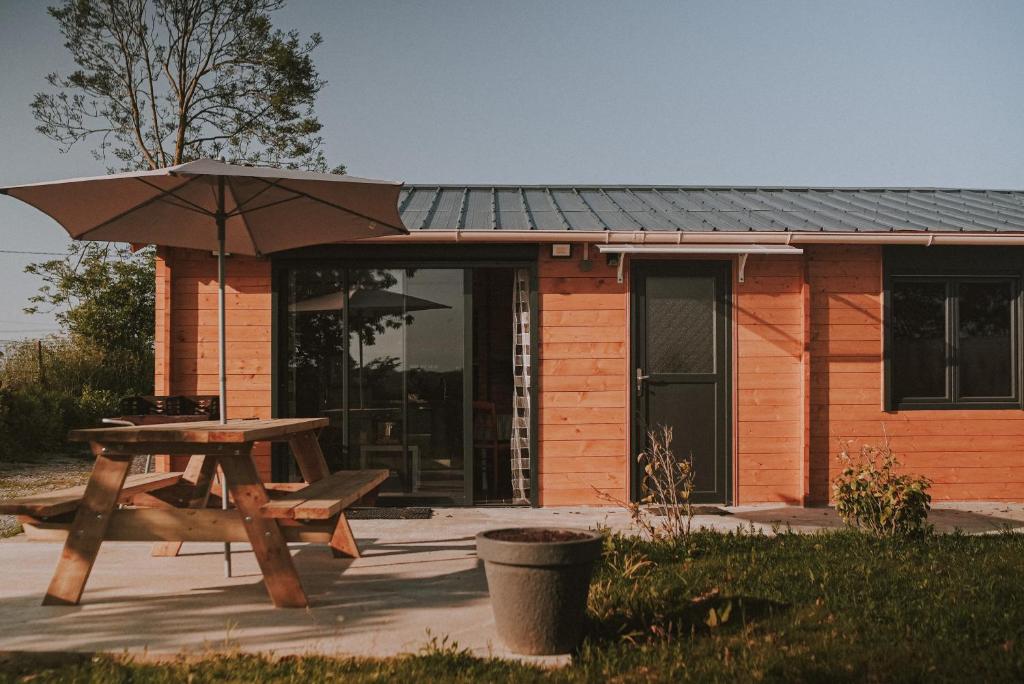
(172, 508)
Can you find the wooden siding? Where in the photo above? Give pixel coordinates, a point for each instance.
(808, 372)
(583, 389)
(769, 419)
(186, 322)
(970, 454)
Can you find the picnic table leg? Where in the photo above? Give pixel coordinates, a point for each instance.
(199, 472)
(89, 527)
(268, 543)
(343, 542)
(312, 464)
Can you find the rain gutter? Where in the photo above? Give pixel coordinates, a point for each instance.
(698, 238)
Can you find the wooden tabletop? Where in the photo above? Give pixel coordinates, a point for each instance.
(203, 432)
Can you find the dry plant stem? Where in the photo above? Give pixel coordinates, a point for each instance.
(664, 511)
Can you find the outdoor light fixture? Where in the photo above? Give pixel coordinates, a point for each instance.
(561, 250)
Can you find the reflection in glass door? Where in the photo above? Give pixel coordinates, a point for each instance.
(406, 409)
(414, 368)
(395, 339)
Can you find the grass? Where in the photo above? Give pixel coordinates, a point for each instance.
(724, 607)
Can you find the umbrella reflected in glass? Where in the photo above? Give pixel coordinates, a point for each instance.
(368, 305)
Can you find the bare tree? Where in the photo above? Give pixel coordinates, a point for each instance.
(161, 82)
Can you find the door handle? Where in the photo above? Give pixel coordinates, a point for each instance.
(640, 377)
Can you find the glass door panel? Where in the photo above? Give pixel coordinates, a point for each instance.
(405, 398)
(315, 343)
(680, 325)
(376, 387)
(435, 376)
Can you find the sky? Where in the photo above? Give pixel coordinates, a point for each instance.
(779, 92)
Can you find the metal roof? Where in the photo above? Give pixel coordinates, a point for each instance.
(709, 208)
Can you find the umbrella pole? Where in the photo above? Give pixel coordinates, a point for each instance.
(222, 351)
(222, 345)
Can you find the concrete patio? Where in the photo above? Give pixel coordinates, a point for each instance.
(418, 578)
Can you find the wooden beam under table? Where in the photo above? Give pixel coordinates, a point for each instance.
(268, 543)
(343, 542)
(89, 527)
(199, 473)
(310, 458)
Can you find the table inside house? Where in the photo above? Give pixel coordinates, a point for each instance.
(172, 508)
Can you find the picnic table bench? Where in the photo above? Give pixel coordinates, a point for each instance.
(172, 508)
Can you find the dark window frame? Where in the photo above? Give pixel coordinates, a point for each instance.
(953, 267)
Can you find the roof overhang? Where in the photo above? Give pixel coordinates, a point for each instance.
(705, 237)
(743, 251)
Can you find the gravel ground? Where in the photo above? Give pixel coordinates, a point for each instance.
(20, 479)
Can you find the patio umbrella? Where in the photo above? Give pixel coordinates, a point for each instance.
(212, 205)
(216, 206)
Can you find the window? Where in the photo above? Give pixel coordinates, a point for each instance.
(953, 341)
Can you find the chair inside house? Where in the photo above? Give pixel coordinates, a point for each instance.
(156, 409)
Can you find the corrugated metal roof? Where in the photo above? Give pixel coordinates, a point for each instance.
(695, 209)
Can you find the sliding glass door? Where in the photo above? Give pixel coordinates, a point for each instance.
(422, 370)
(382, 353)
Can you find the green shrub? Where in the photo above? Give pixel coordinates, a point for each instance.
(95, 404)
(71, 364)
(32, 421)
(51, 387)
(870, 495)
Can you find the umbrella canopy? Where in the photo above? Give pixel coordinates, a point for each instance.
(383, 302)
(263, 209)
(212, 205)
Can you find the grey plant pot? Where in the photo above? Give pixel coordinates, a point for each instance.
(539, 588)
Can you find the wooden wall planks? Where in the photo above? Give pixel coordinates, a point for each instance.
(186, 322)
(808, 333)
(768, 314)
(583, 382)
(969, 454)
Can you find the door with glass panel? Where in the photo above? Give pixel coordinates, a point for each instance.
(681, 367)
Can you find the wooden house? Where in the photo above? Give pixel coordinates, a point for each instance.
(519, 343)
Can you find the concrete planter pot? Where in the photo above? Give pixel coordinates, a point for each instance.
(538, 578)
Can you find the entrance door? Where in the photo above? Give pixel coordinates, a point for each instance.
(681, 367)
